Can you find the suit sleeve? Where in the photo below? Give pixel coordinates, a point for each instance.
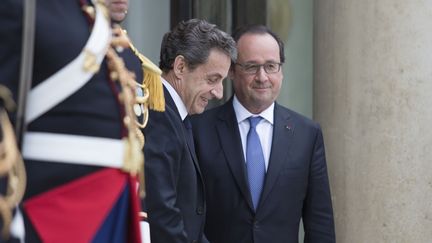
(317, 210)
(162, 160)
(204, 239)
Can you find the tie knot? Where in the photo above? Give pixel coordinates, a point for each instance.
(254, 120)
(187, 122)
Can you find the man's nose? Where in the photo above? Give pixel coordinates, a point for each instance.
(217, 91)
(261, 74)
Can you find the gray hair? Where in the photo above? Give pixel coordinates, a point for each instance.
(194, 39)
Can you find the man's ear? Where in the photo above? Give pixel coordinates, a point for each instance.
(179, 66)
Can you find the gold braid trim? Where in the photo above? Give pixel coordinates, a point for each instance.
(152, 81)
(152, 74)
(12, 165)
(134, 157)
(10, 155)
(6, 216)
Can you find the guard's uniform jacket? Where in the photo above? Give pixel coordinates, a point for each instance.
(68, 197)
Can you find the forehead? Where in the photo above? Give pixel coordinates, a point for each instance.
(217, 60)
(252, 46)
(217, 63)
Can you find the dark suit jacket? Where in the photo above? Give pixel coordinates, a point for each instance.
(296, 183)
(175, 199)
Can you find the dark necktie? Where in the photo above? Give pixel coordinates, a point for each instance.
(189, 135)
(255, 161)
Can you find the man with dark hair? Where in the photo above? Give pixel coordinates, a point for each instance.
(263, 165)
(195, 57)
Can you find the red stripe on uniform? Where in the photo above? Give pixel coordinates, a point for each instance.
(75, 211)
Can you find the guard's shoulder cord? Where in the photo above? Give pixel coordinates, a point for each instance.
(11, 164)
(134, 158)
(152, 74)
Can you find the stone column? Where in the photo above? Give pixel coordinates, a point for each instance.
(373, 98)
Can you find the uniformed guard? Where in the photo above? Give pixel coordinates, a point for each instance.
(82, 148)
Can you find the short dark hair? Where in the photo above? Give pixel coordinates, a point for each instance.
(260, 29)
(194, 39)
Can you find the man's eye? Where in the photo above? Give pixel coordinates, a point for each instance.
(251, 67)
(271, 66)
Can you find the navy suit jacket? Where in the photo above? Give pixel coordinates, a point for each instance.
(296, 184)
(175, 199)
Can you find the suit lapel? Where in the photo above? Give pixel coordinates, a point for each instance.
(230, 141)
(171, 104)
(282, 139)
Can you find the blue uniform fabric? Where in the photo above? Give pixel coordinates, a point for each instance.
(114, 228)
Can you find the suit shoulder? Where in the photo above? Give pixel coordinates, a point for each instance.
(163, 123)
(299, 118)
(208, 115)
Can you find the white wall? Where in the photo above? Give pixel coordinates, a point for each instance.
(146, 23)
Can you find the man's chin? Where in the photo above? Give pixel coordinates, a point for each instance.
(198, 110)
(118, 17)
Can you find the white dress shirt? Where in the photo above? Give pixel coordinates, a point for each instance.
(177, 100)
(264, 127)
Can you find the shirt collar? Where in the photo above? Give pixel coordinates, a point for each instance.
(176, 98)
(242, 113)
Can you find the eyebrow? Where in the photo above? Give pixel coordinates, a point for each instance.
(255, 62)
(215, 75)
